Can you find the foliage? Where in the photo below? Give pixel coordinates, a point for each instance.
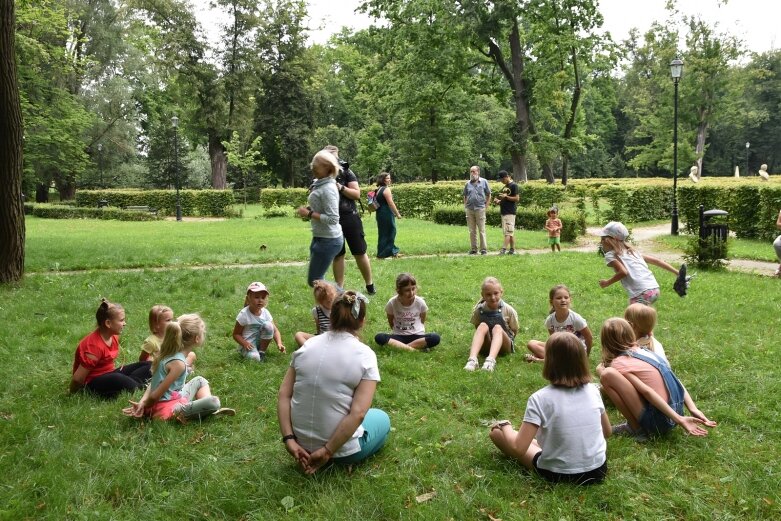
(215, 203)
(57, 211)
(706, 253)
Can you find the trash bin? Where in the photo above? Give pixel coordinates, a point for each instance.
(713, 234)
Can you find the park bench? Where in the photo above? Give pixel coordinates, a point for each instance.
(141, 209)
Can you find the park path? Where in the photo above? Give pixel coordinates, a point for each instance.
(644, 237)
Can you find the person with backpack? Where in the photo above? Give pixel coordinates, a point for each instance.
(352, 226)
(387, 213)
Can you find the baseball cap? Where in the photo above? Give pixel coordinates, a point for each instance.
(615, 230)
(256, 287)
(503, 174)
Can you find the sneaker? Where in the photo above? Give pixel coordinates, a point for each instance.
(511, 252)
(489, 364)
(483, 252)
(370, 289)
(681, 283)
(622, 429)
(262, 355)
(471, 364)
(502, 251)
(224, 411)
(472, 252)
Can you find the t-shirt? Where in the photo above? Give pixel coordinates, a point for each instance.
(508, 207)
(554, 226)
(162, 372)
(570, 428)
(346, 205)
(574, 324)
(647, 373)
(328, 369)
(322, 318)
(508, 313)
(476, 194)
(639, 278)
(255, 326)
(151, 346)
(94, 344)
(406, 319)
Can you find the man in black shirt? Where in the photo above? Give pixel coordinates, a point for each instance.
(508, 202)
(352, 227)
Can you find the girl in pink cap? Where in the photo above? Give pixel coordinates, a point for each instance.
(255, 326)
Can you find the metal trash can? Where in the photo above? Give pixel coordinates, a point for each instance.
(713, 234)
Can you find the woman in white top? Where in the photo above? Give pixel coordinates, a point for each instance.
(325, 398)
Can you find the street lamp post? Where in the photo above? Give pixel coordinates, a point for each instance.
(747, 147)
(100, 164)
(676, 69)
(175, 123)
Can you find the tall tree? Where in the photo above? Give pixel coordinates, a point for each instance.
(12, 229)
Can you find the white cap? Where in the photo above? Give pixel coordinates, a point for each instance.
(615, 230)
(256, 287)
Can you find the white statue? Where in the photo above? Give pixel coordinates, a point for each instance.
(737, 171)
(763, 172)
(694, 174)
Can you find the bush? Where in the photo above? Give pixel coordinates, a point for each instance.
(708, 253)
(51, 211)
(574, 223)
(212, 203)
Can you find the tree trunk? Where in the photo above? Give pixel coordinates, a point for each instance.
(702, 134)
(65, 187)
(547, 172)
(12, 229)
(432, 121)
(42, 193)
(219, 162)
(519, 166)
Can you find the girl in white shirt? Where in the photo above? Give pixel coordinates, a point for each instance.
(562, 437)
(407, 314)
(561, 318)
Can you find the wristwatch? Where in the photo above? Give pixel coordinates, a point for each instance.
(289, 437)
(309, 215)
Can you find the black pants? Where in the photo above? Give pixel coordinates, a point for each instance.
(127, 378)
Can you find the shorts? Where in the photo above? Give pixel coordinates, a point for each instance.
(163, 410)
(354, 238)
(508, 225)
(554, 240)
(647, 297)
(653, 421)
(591, 477)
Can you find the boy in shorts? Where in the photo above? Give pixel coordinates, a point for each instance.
(553, 225)
(507, 199)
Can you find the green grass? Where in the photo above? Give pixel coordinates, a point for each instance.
(69, 457)
(737, 248)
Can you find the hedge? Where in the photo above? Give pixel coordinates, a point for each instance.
(51, 211)
(574, 223)
(212, 203)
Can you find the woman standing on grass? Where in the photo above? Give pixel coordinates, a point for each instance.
(323, 211)
(325, 398)
(387, 213)
(93, 363)
(777, 245)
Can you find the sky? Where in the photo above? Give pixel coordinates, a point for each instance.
(757, 22)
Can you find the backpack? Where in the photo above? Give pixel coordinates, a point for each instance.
(372, 200)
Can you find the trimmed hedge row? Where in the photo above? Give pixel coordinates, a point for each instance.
(574, 223)
(51, 211)
(213, 203)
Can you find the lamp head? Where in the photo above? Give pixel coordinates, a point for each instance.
(175, 121)
(676, 69)
(748, 144)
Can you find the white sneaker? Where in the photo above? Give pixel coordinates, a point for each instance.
(471, 364)
(489, 364)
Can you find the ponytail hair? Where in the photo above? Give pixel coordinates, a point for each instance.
(617, 337)
(185, 332)
(348, 312)
(172, 343)
(324, 292)
(106, 311)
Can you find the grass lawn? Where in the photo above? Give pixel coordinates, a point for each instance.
(737, 248)
(73, 457)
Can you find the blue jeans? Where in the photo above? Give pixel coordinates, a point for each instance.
(376, 425)
(654, 421)
(322, 252)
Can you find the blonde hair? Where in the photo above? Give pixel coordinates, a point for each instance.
(324, 292)
(566, 362)
(185, 332)
(619, 246)
(326, 159)
(156, 313)
(642, 318)
(617, 338)
(490, 281)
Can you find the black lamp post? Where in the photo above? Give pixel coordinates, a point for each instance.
(676, 69)
(747, 147)
(100, 164)
(175, 123)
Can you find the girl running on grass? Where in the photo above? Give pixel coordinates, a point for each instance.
(407, 314)
(168, 395)
(93, 364)
(631, 267)
(561, 318)
(643, 387)
(324, 293)
(496, 324)
(562, 437)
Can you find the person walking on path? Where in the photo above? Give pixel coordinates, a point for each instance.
(477, 195)
(352, 227)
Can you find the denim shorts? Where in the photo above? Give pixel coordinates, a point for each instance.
(653, 421)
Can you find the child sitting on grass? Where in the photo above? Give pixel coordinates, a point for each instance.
(496, 324)
(168, 395)
(324, 294)
(255, 326)
(561, 318)
(159, 317)
(643, 387)
(643, 320)
(407, 314)
(562, 437)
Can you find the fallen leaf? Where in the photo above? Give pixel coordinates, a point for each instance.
(426, 497)
(768, 501)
